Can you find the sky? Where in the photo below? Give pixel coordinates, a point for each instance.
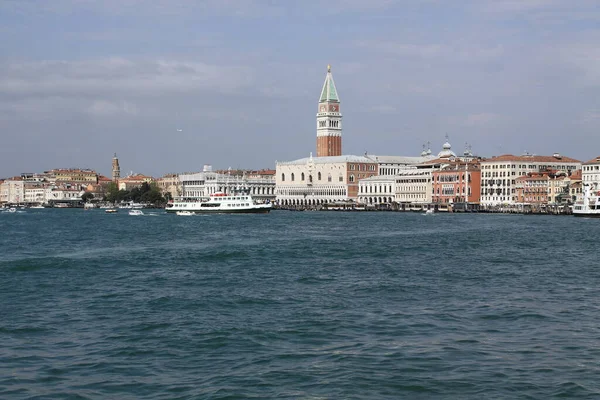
(171, 85)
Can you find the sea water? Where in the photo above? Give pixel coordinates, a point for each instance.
(357, 305)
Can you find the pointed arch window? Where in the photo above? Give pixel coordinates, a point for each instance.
(319, 176)
(329, 178)
(351, 178)
(302, 177)
(283, 177)
(293, 177)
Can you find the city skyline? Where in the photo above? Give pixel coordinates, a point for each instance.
(171, 86)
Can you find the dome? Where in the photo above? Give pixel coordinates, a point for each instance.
(446, 150)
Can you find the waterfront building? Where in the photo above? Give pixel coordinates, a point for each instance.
(169, 184)
(329, 120)
(543, 188)
(532, 188)
(207, 182)
(12, 191)
(499, 174)
(590, 173)
(575, 185)
(411, 178)
(66, 194)
(393, 165)
(457, 182)
(259, 183)
(116, 169)
(73, 175)
(414, 185)
(134, 181)
(377, 190)
(321, 180)
(34, 192)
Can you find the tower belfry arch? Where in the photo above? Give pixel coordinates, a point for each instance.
(329, 120)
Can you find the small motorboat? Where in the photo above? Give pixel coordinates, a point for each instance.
(429, 211)
(186, 213)
(136, 212)
(111, 210)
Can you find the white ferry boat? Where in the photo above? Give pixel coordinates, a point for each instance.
(218, 203)
(589, 204)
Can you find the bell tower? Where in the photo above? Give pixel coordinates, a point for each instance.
(329, 120)
(116, 170)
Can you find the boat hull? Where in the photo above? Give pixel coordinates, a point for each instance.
(587, 214)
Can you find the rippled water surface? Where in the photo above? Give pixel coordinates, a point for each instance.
(298, 305)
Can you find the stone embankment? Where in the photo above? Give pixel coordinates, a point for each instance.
(549, 210)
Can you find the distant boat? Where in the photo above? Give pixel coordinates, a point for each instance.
(218, 203)
(430, 211)
(136, 212)
(186, 213)
(11, 210)
(38, 206)
(588, 205)
(111, 210)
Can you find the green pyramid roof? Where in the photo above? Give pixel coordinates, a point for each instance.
(329, 92)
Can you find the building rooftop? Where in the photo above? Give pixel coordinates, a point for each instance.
(593, 161)
(405, 160)
(532, 158)
(328, 160)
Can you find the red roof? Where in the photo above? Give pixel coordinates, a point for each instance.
(533, 158)
(593, 161)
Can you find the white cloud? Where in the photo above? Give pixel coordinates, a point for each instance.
(384, 109)
(103, 108)
(140, 8)
(590, 117)
(457, 52)
(481, 119)
(118, 75)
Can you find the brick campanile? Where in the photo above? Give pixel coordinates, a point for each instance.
(116, 170)
(329, 120)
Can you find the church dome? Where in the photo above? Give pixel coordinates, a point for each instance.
(446, 150)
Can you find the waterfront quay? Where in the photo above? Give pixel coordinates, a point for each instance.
(436, 208)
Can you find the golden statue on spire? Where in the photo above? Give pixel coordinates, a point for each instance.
(328, 68)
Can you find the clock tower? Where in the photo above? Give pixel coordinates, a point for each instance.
(329, 120)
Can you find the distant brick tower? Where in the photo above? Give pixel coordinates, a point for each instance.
(116, 170)
(329, 120)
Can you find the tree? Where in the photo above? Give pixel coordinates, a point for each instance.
(87, 196)
(112, 191)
